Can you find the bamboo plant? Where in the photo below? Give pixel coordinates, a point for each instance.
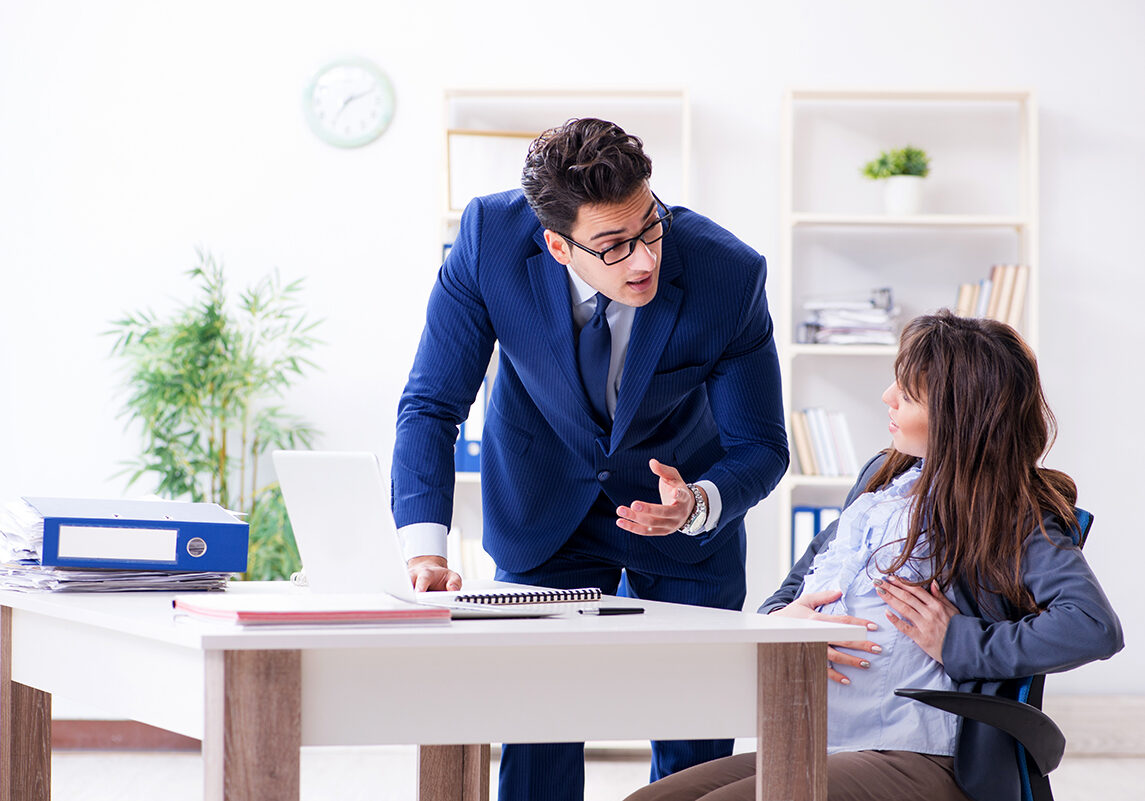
(205, 385)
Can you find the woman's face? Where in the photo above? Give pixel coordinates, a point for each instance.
(908, 421)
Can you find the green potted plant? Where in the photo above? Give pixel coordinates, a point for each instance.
(903, 170)
(205, 385)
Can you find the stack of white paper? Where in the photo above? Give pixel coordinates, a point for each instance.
(34, 578)
(21, 532)
(851, 321)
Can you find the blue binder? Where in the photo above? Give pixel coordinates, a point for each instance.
(141, 535)
(806, 523)
(467, 450)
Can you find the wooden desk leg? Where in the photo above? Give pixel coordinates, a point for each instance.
(453, 773)
(25, 730)
(252, 728)
(791, 764)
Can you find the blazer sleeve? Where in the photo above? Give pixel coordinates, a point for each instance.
(745, 398)
(792, 585)
(450, 364)
(1076, 623)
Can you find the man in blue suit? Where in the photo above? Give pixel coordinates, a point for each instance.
(636, 413)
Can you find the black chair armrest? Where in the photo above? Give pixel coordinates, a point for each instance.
(1033, 728)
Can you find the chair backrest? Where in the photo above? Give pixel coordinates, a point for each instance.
(1035, 779)
(1022, 719)
(1084, 521)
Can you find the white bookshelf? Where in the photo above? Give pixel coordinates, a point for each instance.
(485, 137)
(980, 208)
(487, 131)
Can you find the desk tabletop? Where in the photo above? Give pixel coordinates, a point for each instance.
(150, 615)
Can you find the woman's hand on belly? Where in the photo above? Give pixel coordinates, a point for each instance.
(807, 607)
(923, 616)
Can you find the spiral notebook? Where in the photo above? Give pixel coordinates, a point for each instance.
(541, 596)
(338, 505)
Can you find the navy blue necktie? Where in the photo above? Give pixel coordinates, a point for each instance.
(593, 353)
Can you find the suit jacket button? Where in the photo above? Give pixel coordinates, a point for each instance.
(603, 475)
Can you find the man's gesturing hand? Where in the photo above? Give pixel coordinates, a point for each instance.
(658, 519)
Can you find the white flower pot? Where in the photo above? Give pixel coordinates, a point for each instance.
(902, 194)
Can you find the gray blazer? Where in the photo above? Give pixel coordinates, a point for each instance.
(990, 650)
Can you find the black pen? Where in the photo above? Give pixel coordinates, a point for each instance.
(614, 610)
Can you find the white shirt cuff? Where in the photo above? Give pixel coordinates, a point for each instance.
(715, 506)
(423, 539)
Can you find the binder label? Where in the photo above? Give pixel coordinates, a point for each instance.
(105, 543)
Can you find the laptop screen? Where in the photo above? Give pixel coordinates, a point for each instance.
(339, 508)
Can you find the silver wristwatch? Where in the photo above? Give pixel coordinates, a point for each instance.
(695, 522)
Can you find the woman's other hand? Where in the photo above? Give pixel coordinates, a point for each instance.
(923, 616)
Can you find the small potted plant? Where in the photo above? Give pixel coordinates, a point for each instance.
(903, 170)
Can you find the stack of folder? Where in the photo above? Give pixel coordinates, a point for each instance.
(71, 544)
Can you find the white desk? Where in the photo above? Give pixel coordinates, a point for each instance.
(255, 697)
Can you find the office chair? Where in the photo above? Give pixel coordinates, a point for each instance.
(1040, 743)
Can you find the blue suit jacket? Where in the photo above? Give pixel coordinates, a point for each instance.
(700, 389)
(990, 650)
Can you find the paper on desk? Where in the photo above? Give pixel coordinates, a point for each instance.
(34, 578)
(21, 532)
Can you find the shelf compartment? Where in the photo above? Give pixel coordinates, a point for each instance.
(805, 219)
(843, 350)
(794, 480)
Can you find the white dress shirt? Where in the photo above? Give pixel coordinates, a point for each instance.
(428, 539)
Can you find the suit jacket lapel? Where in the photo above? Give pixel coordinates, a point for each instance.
(550, 284)
(651, 328)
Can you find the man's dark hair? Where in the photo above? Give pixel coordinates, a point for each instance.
(582, 162)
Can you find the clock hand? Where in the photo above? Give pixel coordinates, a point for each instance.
(350, 100)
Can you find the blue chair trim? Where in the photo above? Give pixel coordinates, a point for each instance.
(1023, 768)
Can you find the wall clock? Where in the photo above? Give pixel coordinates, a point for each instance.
(349, 102)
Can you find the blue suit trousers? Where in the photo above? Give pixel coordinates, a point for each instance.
(600, 554)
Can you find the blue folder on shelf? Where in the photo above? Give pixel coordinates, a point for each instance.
(141, 535)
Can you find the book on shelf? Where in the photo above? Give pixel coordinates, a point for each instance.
(967, 300)
(982, 299)
(1001, 296)
(823, 443)
(806, 522)
(804, 452)
(1018, 301)
(995, 292)
(1005, 284)
(844, 447)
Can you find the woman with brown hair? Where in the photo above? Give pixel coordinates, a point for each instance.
(957, 540)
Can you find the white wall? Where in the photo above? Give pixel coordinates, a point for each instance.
(131, 131)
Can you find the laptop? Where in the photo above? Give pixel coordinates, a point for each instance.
(339, 507)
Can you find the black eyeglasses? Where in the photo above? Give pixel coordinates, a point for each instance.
(654, 232)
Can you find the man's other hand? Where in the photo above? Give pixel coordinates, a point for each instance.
(432, 573)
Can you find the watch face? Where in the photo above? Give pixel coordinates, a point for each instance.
(349, 103)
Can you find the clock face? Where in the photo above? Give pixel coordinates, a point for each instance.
(349, 103)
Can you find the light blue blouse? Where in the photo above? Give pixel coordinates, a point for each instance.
(866, 714)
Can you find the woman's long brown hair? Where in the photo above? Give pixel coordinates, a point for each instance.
(982, 490)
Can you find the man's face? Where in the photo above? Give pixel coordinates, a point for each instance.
(632, 281)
